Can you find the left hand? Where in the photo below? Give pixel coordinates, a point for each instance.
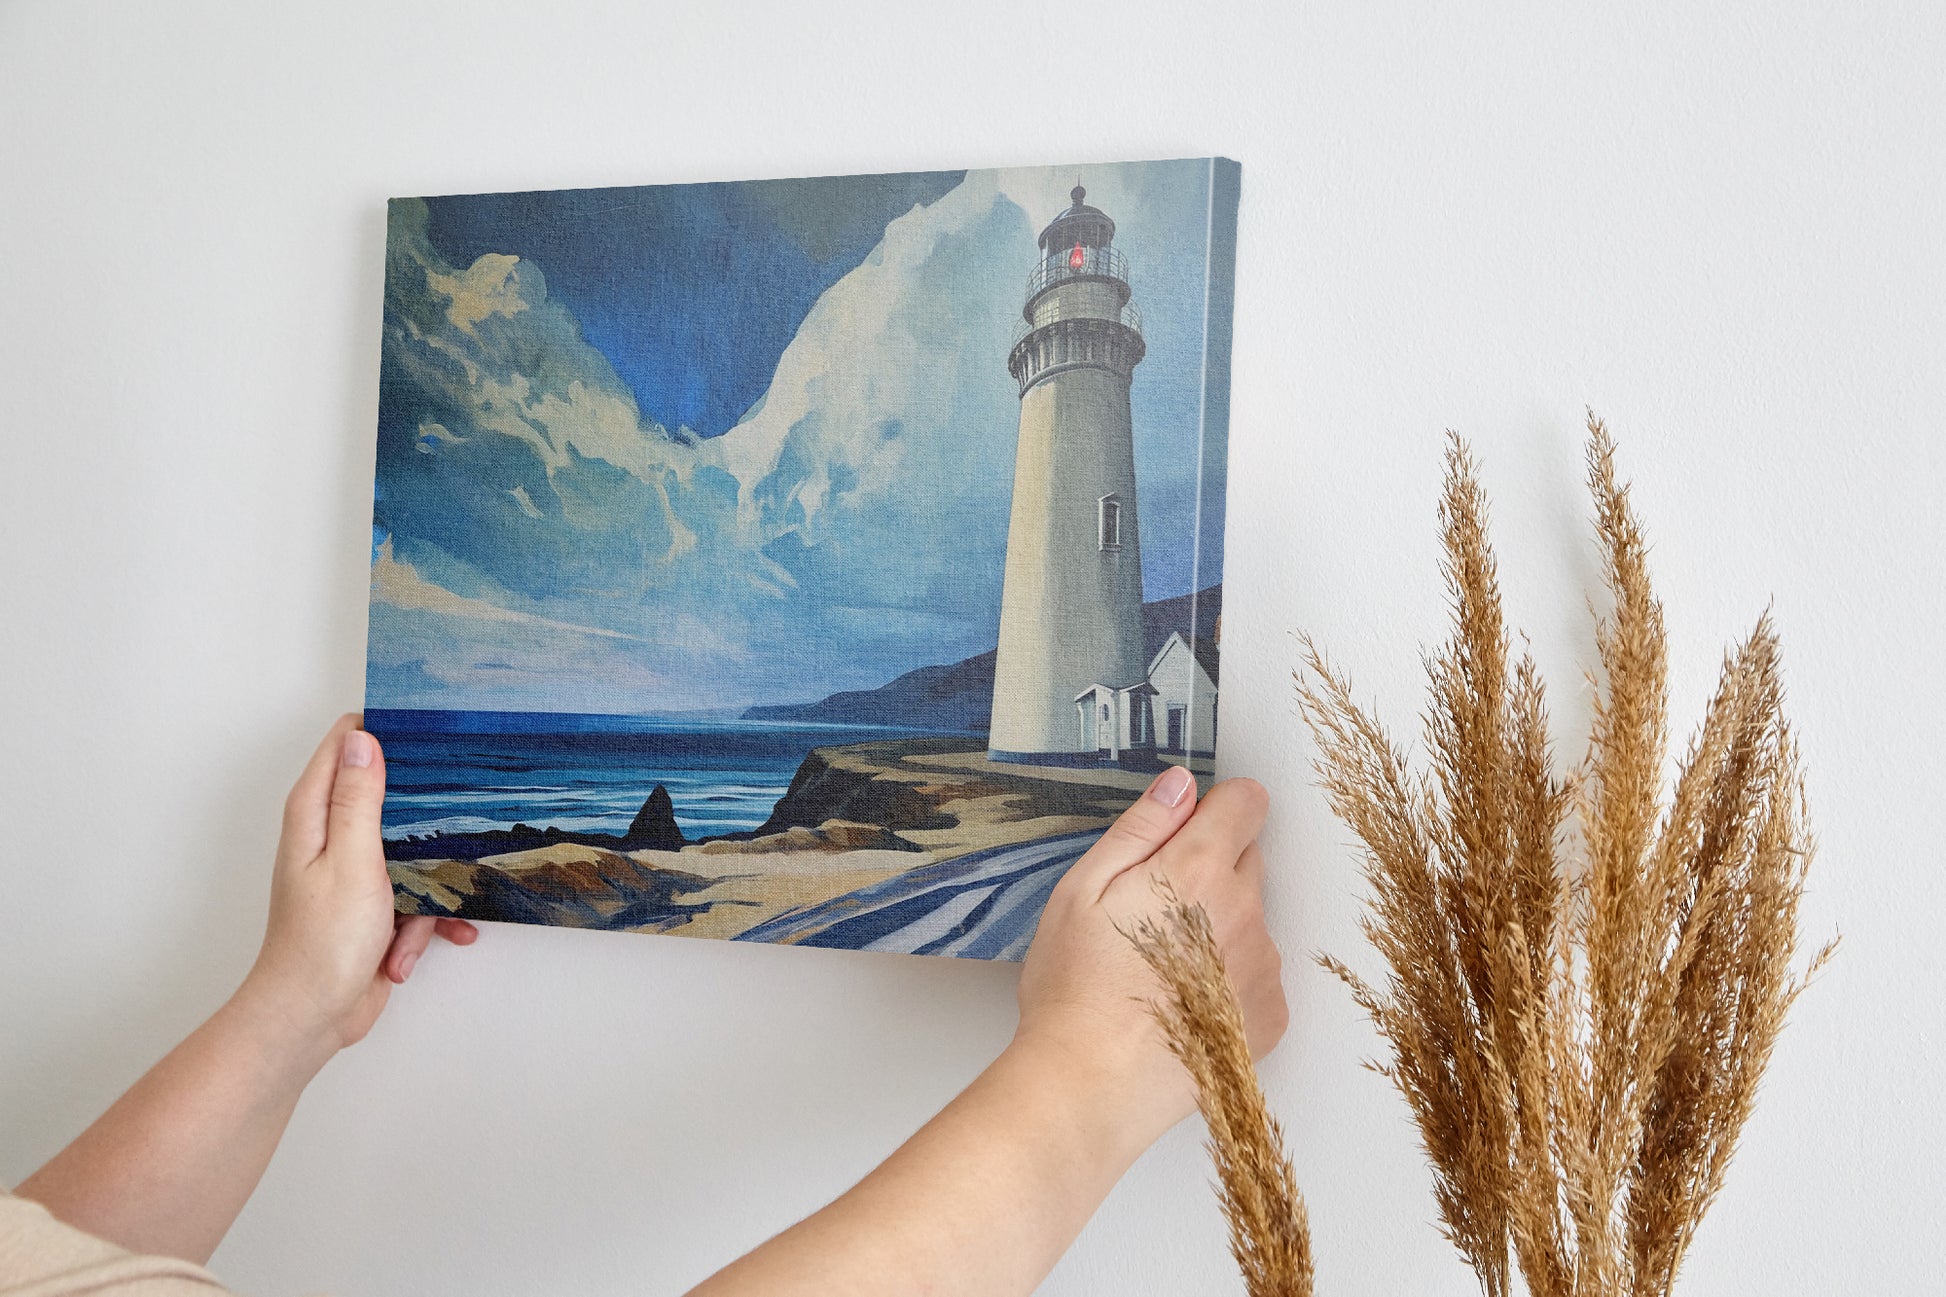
(334, 946)
(169, 1166)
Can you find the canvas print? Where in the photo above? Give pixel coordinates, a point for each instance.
(821, 561)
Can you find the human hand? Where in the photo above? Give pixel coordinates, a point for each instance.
(1084, 992)
(334, 946)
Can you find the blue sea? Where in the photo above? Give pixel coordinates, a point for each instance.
(470, 772)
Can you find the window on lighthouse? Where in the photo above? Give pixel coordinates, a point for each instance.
(1109, 518)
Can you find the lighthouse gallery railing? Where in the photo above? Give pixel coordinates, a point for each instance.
(1095, 263)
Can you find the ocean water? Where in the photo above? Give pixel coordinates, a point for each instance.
(469, 772)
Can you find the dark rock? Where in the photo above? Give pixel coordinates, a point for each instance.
(654, 827)
(821, 791)
(601, 889)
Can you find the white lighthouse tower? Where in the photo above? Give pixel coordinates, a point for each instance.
(1070, 684)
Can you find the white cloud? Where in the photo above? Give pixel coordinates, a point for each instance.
(399, 585)
(490, 286)
(489, 341)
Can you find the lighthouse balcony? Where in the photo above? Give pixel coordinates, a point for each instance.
(1063, 267)
(1056, 343)
(1053, 311)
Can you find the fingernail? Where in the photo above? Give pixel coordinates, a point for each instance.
(1170, 785)
(405, 966)
(358, 748)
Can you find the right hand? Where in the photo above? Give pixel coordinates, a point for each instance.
(1085, 991)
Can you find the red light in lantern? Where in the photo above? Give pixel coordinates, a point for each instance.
(1077, 258)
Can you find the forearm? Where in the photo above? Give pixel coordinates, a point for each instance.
(169, 1166)
(983, 1200)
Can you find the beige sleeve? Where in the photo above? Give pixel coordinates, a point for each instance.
(41, 1257)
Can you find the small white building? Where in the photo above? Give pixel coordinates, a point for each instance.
(1182, 697)
(1171, 713)
(1115, 721)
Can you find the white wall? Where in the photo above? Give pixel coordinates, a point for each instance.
(1719, 224)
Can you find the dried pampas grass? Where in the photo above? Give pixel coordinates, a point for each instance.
(1586, 974)
(1270, 1236)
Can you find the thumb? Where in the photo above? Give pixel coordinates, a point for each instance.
(1151, 821)
(357, 794)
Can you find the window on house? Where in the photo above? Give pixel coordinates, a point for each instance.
(1109, 518)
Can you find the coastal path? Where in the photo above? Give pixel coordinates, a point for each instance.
(985, 905)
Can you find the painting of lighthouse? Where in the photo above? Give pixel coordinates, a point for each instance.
(822, 562)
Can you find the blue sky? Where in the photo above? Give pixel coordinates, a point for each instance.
(697, 447)
(690, 291)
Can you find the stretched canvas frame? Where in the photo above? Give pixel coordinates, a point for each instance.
(812, 561)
